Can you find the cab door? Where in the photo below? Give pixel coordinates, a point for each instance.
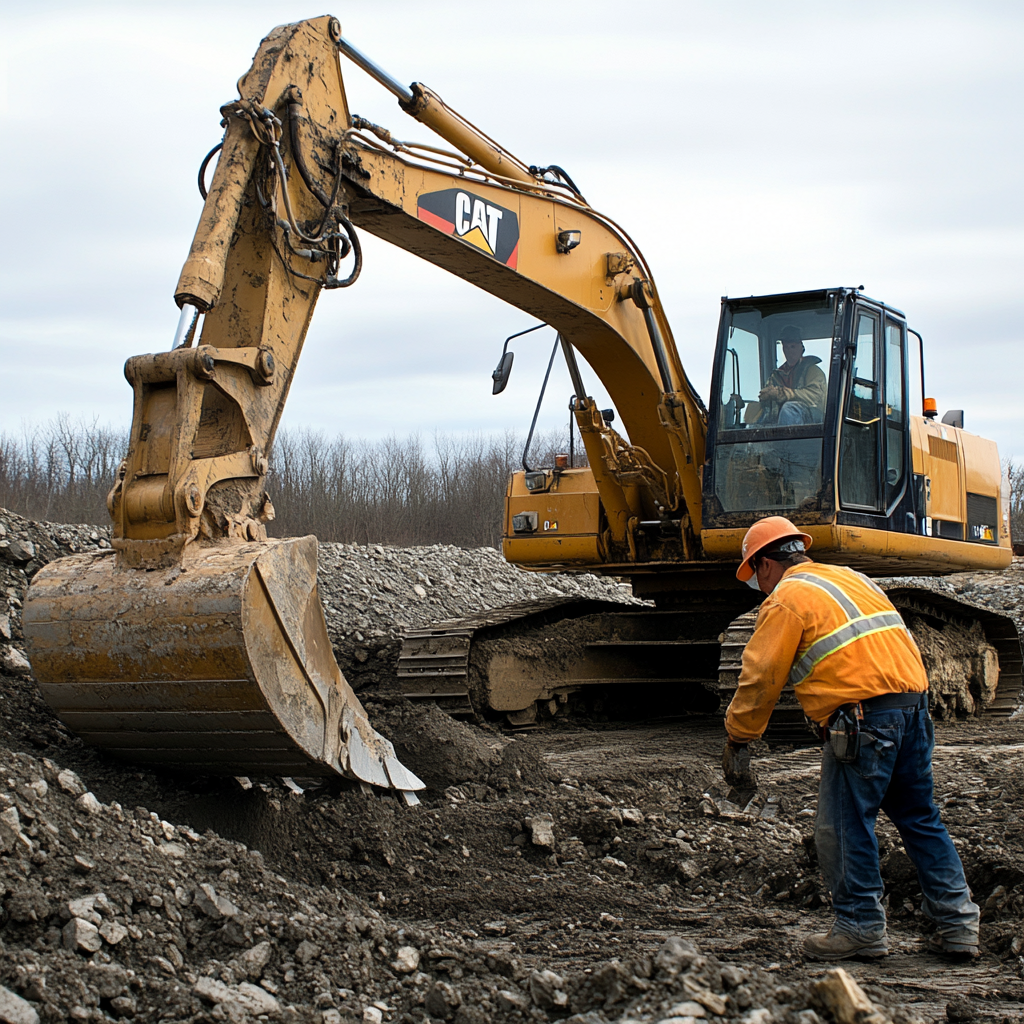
(860, 444)
(896, 434)
(873, 446)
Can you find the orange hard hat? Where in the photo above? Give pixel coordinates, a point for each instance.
(764, 532)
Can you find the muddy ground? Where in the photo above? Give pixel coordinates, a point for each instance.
(580, 874)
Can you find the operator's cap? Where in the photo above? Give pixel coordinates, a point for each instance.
(763, 533)
(791, 333)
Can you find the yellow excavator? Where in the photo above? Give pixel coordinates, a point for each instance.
(199, 643)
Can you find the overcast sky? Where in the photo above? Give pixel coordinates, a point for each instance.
(748, 147)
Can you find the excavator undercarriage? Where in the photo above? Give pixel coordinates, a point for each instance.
(527, 664)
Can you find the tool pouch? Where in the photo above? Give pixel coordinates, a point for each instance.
(844, 733)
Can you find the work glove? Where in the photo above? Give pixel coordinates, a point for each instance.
(738, 773)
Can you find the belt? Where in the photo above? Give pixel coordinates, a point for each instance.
(885, 701)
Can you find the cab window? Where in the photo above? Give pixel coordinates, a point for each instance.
(860, 445)
(895, 415)
(774, 367)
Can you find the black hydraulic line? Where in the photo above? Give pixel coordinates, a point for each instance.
(574, 369)
(202, 168)
(559, 173)
(357, 252)
(660, 356)
(294, 106)
(540, 399)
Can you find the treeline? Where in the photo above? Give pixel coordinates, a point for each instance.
(60, 472)
(1014, 469)
(448, 490)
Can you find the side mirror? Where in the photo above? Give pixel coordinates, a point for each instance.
(501, 373)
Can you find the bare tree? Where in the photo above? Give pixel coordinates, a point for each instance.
(61, 470)
(395, 491)
(1014, 470)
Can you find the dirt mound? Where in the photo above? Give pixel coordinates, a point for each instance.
(572, 874)
(440, 750)
(115, 912)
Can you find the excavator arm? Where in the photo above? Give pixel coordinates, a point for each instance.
(200, 642)
(479, 214)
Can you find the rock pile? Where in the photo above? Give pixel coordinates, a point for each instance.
(111, 912)
(25, 547)
(369, 593)
(557, 876)
(372, 593)
(116, 913)
(1001, 592)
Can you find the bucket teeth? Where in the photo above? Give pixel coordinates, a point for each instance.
(222, 665)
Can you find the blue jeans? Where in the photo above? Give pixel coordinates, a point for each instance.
(793, 414)
(893, 772)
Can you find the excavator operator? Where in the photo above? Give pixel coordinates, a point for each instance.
(795, 391)
(858, 674)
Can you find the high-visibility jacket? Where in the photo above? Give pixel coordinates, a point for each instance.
(835, 636)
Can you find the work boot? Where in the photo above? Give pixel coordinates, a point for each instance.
(966, 950)
(833, 945)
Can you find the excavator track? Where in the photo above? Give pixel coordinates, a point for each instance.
(981, 680)
(524, 661)
(994, 684)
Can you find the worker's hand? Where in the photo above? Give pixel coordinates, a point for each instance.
(770, 394)
(738, 773)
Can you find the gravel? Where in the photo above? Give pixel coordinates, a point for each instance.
(576, 876)
(372, 593)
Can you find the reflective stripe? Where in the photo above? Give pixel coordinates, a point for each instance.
(871, 583)
(852, 611)
(857, 625)
(839, 638)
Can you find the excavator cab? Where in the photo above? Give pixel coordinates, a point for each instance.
(811, 418)
(774, 404)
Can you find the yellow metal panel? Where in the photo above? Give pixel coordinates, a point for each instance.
(917, 443)
(875, 551)
(548, 549)
(727, 544)
(568, 521)
(942, 469)
(982, 472)
(945, 554)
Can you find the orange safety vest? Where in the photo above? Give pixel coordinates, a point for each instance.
(832, 634)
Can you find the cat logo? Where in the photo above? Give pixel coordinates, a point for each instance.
(457, 212)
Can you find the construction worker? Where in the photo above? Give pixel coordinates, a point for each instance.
(858, 674)
(795, 391)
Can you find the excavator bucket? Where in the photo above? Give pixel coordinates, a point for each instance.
(219, 665)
